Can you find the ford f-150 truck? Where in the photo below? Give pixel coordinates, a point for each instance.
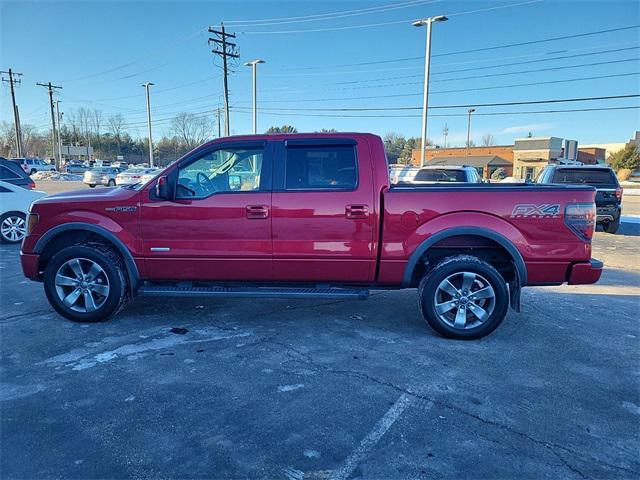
(309, 215)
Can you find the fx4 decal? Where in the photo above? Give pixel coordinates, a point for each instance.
(121, 209)
(531, 210)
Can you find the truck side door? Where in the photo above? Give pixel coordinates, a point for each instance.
(219, 225)
(323, 211)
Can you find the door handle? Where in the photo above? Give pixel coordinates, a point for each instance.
(356, 211)
(256, 212)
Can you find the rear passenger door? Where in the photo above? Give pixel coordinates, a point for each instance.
(323, 218)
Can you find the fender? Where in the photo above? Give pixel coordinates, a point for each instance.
(132, 269)
(503, 241)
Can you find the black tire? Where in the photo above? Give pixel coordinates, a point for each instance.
(453, 266)
(112, 264)
(7, 215)
(33, 170)
(612, 226)
(111, 183)
(92, 185)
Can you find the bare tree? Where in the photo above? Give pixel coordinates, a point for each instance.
(488, 140)
(116, 127)
(191, 130)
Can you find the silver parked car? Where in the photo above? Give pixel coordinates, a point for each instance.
(101, 176)
(132, 175)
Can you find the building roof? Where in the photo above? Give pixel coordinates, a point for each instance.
(472, 161)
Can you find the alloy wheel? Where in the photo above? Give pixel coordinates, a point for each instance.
(13, 228)
(82, 285)
(464, 300)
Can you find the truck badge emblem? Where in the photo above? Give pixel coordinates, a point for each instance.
(531, 210)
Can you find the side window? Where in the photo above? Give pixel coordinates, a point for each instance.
(4, 190)
(219, 171)
(7, 174)
(317, 168)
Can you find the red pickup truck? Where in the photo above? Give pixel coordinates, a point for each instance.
(309, 215)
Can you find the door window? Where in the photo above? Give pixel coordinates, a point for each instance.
(221, 171)
(318, 168)
(6, 174)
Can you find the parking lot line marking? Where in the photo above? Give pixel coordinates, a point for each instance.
(372, 438)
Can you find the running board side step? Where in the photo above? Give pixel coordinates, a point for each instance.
(252, 292)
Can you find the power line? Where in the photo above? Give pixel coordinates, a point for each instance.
(495, 104)
(492, 75)
(534, 112)
(459, 52)
(350, 27)
(492, 66)
(328, 16)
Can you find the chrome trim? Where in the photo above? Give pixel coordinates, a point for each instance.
(160, 249)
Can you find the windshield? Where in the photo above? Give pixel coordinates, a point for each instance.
(589, 176)
(440, 175)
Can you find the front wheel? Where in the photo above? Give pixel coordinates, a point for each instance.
(463, 298)
(13, 227)
(92, 185)
(111, 183)
(86, 283)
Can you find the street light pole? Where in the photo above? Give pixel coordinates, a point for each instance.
(470, 111)
(146, 86)
(427, 61)
(59, 118)
(253, 65)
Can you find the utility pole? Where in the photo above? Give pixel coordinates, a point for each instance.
(218, 117)
(445, 133)
(59, 118)
(146, 86)
(427, 61)
(16, 120)
(253, 64)
(50, 87)
(470, 111)
(226, 50)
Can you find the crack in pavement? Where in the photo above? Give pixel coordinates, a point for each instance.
(296, 355)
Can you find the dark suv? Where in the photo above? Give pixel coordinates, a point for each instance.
(609, 191)
(11, 172)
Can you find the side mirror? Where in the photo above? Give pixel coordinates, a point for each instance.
(162, 188)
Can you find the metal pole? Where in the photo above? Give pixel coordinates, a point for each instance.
(470, 111)
(147, 85)
(15, 115)
(425, 99)
(59, 136)
(53, 130)
(255, 113)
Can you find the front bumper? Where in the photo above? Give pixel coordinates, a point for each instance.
(29, 263)
(583, 273)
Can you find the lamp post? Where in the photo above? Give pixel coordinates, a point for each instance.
(470, 111)
(146, 86)
(253, 64)
(427, 61)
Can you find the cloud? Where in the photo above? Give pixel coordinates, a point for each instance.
(533, 127)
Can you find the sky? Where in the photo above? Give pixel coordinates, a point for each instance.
(321, 56)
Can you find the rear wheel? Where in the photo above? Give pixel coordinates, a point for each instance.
(86, 283)
(92, 185)
(464, 298)
(612, 226)
(13, 227)
(111, 183)
(33, 170)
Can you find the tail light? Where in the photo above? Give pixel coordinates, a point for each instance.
(619, 193)
(32, 185)
(581, 219)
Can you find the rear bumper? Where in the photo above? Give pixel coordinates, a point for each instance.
(585, 272)
(29, 263)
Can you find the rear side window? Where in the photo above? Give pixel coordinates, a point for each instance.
(585, 175)
(331, 167)
(6, 174)
(440, 175)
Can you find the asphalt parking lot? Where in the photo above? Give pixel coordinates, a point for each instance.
(308, 389)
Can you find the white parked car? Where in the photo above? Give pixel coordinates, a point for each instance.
(14, 208)
(33, 165)
(147, 177)
(132, 175)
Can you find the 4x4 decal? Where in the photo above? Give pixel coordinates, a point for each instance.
(532, 210)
